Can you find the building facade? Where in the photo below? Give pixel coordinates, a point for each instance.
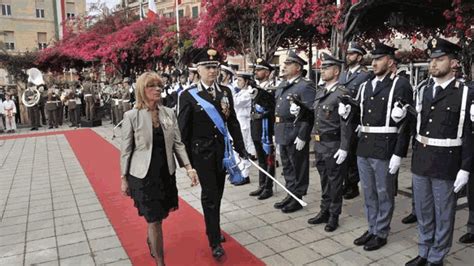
(30, 25)
(167, 8)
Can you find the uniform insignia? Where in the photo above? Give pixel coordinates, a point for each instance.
(211, 53)
(259, 60)
(433, 43)
(457, 84)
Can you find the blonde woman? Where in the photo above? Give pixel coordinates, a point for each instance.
(150, 138)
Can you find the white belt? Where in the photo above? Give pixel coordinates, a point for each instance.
(52, 101)
(72, 100)
(126, 101)
(120, 101)
(383, 130)
(85, 95)
(438, 142)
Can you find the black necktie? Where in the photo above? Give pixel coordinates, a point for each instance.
(377, 84)
(437, 89)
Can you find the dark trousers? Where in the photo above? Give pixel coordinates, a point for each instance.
(470, 202)
(295, 168)
(264, 181)
(331, 175)
(34, 116)
(42, 113)
(209, 167)
(351, 177)
(53, 118)
(60, 113)
(90, 111)
(74, 116)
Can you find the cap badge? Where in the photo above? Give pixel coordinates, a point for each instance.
(211, 53)
(434, 42)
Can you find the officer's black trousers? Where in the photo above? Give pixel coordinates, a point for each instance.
(208, 164)
(53, 118)
(331, 175)
(34, 116)
(470, 201)
(264, 181)
(295, 168)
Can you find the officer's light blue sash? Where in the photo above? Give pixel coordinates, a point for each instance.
(235, 176)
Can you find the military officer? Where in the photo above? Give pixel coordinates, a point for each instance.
(332, 136)
(89, 98)
(126, 105)
(468, 237)
(51, 108)
(204, 109)
(33, 111)
(442, 153)
(354, 75)
(294, 133)
(262, 127)
(382, 144)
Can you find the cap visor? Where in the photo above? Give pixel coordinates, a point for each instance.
(375, 56)
(437, 54)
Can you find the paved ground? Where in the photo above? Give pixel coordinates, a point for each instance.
(50, 216)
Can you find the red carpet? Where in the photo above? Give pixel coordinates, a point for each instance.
(184, 231)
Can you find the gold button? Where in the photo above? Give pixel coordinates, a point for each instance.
(371, 98)
(432, 107)
(449, 108)
(431, 120)
(427, 132)
(383, 98)
(370, 111)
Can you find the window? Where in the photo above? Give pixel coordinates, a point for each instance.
(42, 43)
(40, 8)
(180, 13)
(6, 7)
(9, 40)
(195, 11)
(70, 10)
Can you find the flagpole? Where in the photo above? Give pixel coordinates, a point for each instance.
(177, 30)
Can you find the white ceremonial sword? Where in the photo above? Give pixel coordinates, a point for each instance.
(276, 181)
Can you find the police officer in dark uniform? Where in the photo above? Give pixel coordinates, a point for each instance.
(262, 127)
(331, 136)
(354, 75)
(382, 144)
(205, 143)
(442, 153)
(468, 237)
(294, 133)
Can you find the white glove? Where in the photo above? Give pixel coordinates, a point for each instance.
(294, 109)
(461, 179)
(340, 156)
(299, 144)
(398, 113)
(163, 94)
(394, 164)
(253, 92)
(344, 110)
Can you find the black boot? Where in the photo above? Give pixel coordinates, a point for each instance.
(266, 193)
(418, 261)
(256, 192)
(411, 218)
(467, 238)
(322, 217)
(332, 224)
(292, 206)
(282, 203)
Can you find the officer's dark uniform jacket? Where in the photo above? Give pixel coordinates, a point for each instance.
(330, 132)
(266, 99)
(380, 136)
(198, 131)
(285, 130)
(440, 119)
(353, 82)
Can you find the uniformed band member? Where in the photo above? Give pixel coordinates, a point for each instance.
(205, 142)
(126, 104)
(262, 127)
(382, 144)
(442, 153)
(226, 77)
(74, 118)
(294, 133)
(354, 75)
(52, 109)
(33, 111)
(332, 136)
(89, 98)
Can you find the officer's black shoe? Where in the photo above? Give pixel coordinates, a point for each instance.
(50, 127)
(34, 128)
(266, 193)
(217, 251)
(222, 239)
(282, 203)
(322, 217)
(360, 241)
(245, 181)
(256, 192)
(375, 243)
(351, 193)
(434, 264)
(411, 218)
(467, 238)
(292, 206)
(332, 224)
(418, 261)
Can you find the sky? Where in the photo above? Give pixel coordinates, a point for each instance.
(110, 3)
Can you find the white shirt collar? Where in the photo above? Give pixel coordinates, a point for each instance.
(354, 69)
(330, 87)
(444, 84)
(291, 81)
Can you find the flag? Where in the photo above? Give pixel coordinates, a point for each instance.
(152, 13)
(142, 12)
